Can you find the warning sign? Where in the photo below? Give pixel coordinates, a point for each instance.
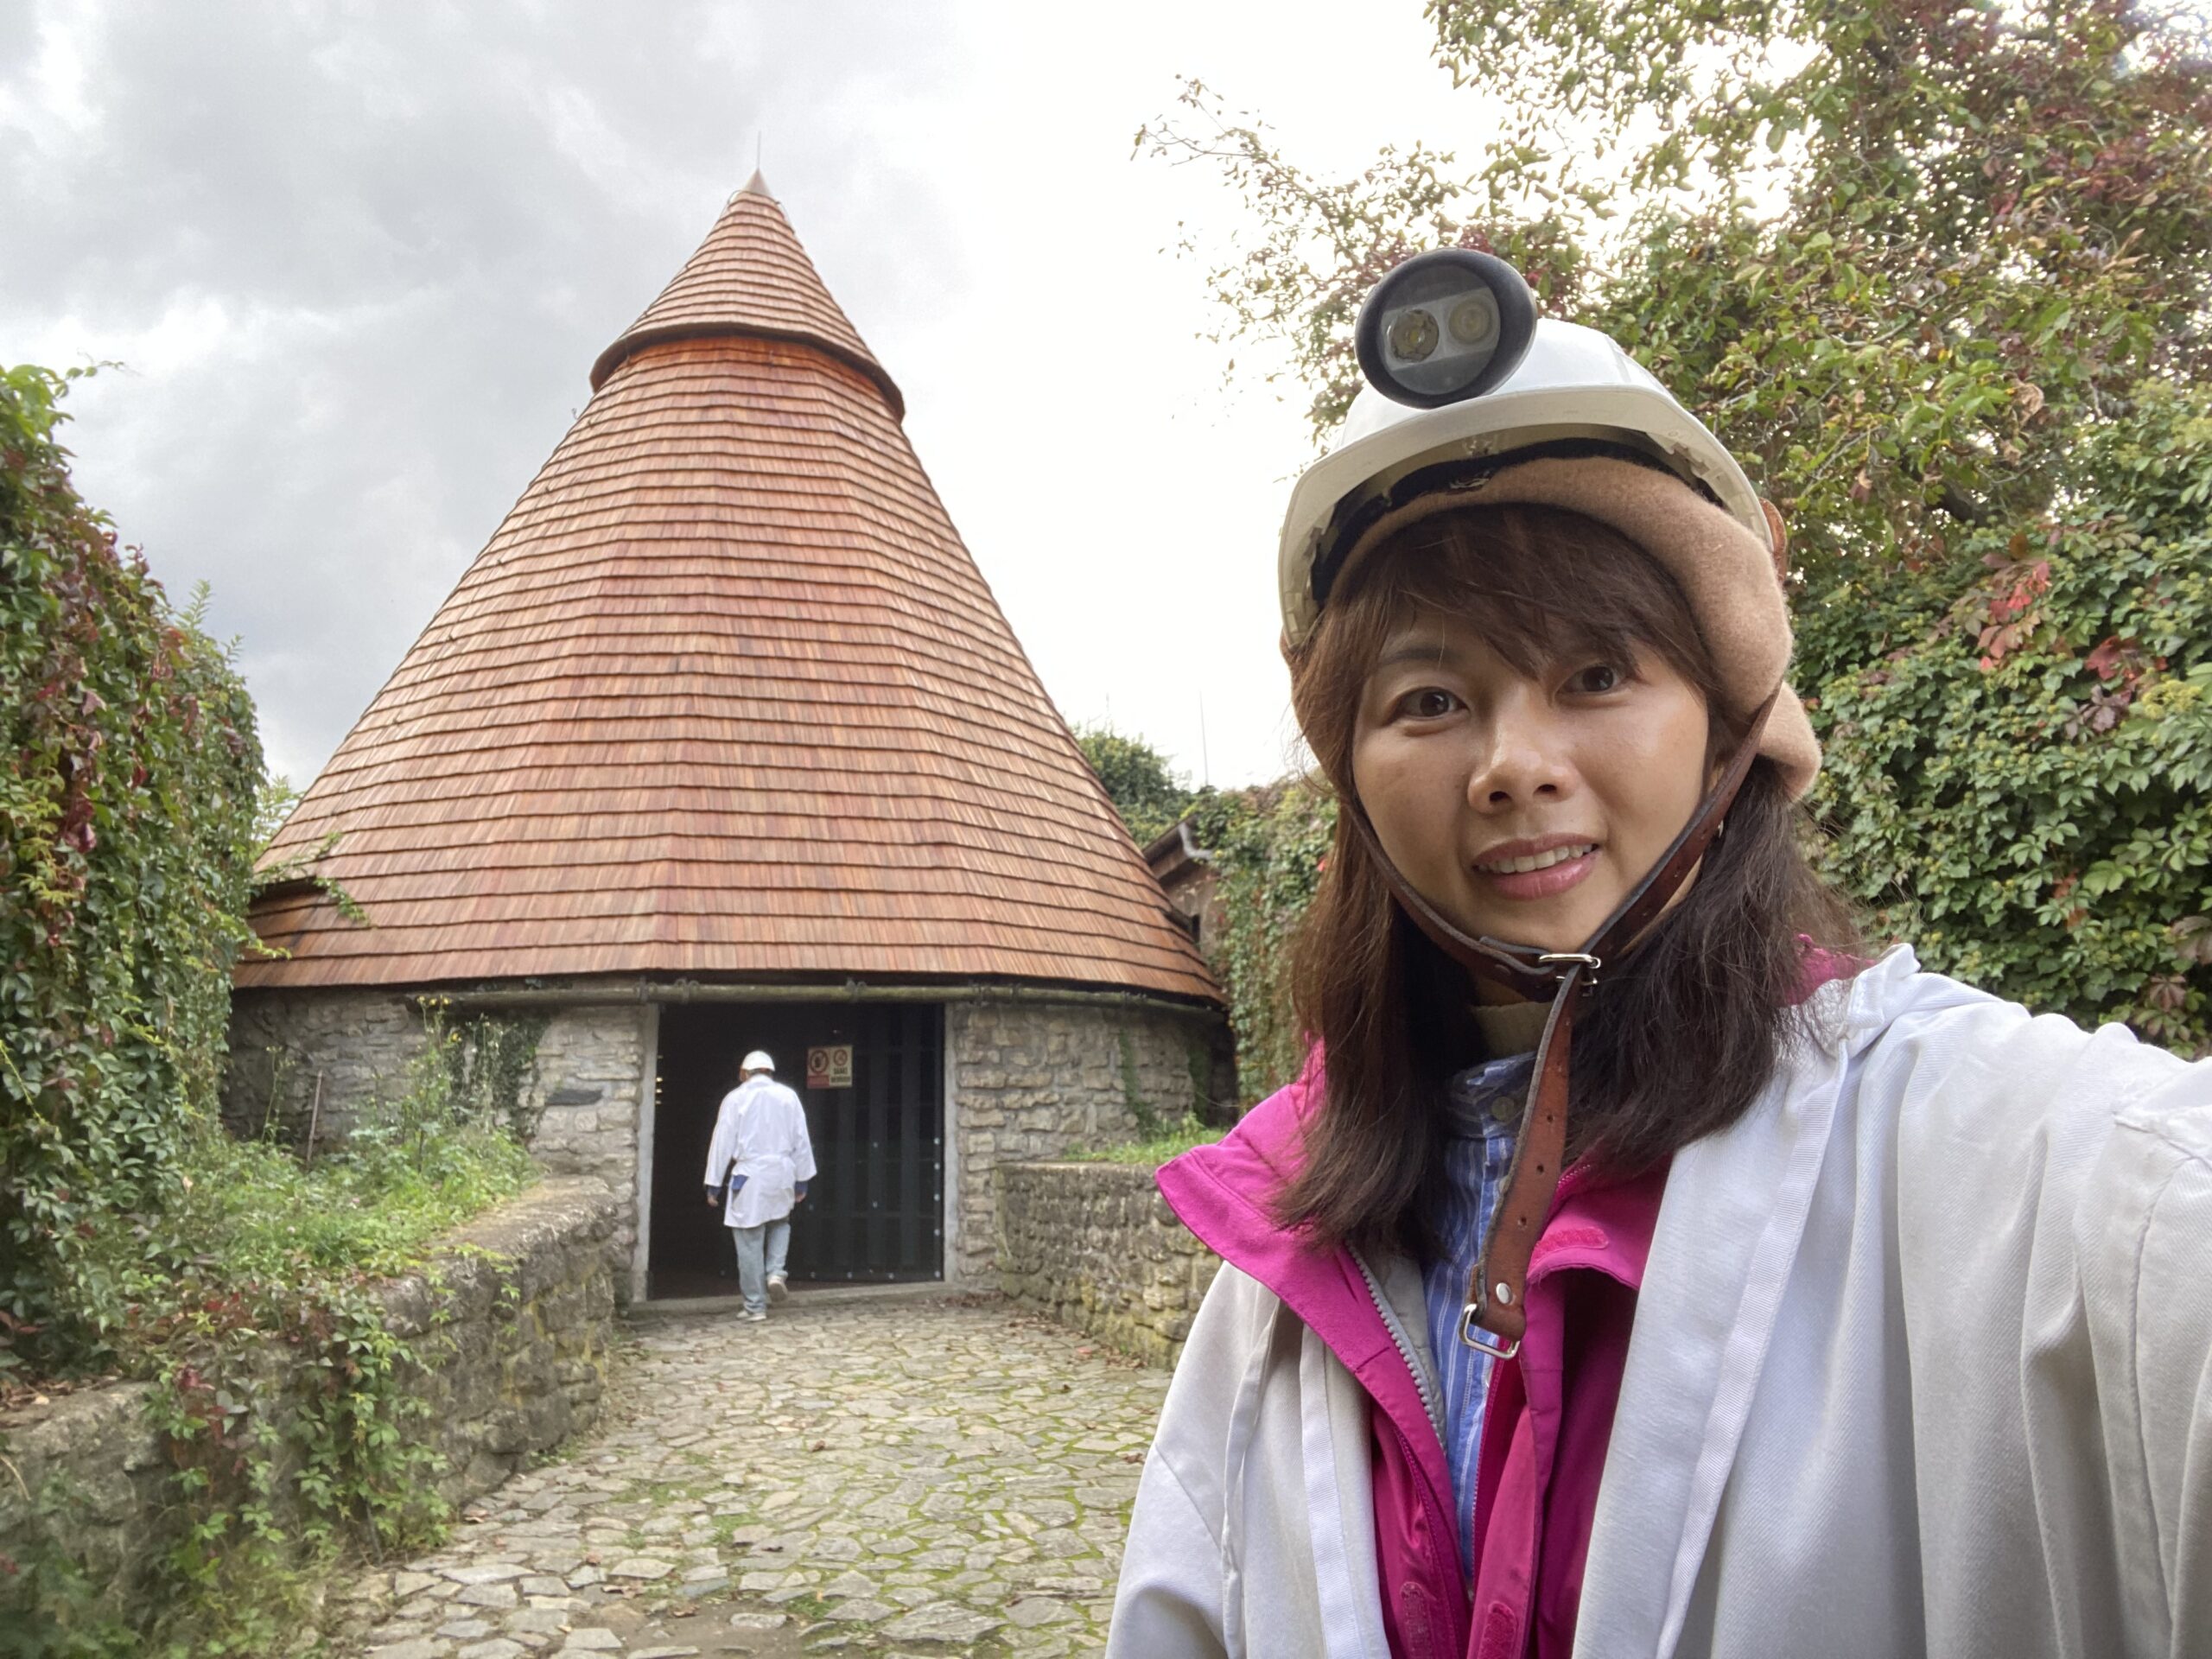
(830, 1068)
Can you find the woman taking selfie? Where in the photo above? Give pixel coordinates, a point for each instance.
(1644, 1270)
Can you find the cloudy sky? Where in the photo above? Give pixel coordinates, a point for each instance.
(357, 260)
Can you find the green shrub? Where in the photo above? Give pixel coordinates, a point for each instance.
(1137, 779)
(2021, 781)
(126, 844)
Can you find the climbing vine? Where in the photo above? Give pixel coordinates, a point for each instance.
(290, 1425)
(2020, 780)
(492, 1061)
(1142, 1111)
(1269, 847)
(128, 773)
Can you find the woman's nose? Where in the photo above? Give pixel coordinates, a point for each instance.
(1523, 762)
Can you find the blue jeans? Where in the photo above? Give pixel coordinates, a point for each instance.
(760, 1254)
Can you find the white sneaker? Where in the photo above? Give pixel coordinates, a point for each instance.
(753, 1315)
(777, 1290)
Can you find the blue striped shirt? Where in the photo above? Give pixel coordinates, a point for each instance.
(1483, 1112)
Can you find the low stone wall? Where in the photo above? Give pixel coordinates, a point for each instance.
(515, 1333)
(514, 1330)
(89, 1476)
(1095, 1247)
(1037, 1080)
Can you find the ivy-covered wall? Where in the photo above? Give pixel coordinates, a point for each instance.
(126, 845)
(1269, 847)
(2019, 780)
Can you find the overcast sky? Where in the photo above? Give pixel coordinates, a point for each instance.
(358, 260)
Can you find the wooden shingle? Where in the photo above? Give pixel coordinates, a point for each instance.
(724, 697)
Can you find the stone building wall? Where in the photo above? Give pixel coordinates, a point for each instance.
(1035, 1080)
(515, 1339)
(1096, 1248)
(1029, 1079)
(578, 1103)
(358, 1044)
(583, 1103)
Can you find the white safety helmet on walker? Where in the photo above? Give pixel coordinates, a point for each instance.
(758, 1060)
(1473, 399)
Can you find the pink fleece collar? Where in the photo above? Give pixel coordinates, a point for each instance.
(1601, 1223)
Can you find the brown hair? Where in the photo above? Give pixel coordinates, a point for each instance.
(1682, 1033)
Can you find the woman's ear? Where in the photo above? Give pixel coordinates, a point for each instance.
(1778, 538)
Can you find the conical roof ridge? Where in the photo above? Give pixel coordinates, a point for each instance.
(725, 698)
(750, 278)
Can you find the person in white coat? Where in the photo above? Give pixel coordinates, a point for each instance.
(1639, 1268)
(757, 1167)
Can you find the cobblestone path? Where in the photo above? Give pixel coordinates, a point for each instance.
(870, 1476)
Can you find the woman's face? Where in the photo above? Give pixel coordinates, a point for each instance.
(1524, 808)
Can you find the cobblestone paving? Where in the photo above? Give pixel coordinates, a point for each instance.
(874, 1477)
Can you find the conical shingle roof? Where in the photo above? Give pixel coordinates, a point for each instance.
(724, 697)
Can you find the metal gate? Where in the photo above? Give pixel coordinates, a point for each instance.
(875, 1211)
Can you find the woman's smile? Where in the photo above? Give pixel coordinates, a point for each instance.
(1541, 867)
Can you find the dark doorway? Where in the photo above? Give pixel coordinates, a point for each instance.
(875, 1211)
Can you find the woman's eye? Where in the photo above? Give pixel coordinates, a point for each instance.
(1427, 704)
(1598, 676)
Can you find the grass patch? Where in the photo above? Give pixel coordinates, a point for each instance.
(1177, 1140)
(260, 1216)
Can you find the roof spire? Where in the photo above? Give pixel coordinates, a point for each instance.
(750, 278)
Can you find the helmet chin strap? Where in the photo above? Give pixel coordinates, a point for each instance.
(1495, 1317)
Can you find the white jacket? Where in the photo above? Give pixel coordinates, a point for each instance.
(762, 1129)
(1922, 1364)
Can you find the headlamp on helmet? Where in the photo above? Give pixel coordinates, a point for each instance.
(1445, 326)
(1466, 383)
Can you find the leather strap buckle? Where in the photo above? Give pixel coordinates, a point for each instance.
(1472, 1335)
(1551, 957)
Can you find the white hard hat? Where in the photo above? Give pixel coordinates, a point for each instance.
(1574, 386)
(758, 1060)
(1473, 399)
